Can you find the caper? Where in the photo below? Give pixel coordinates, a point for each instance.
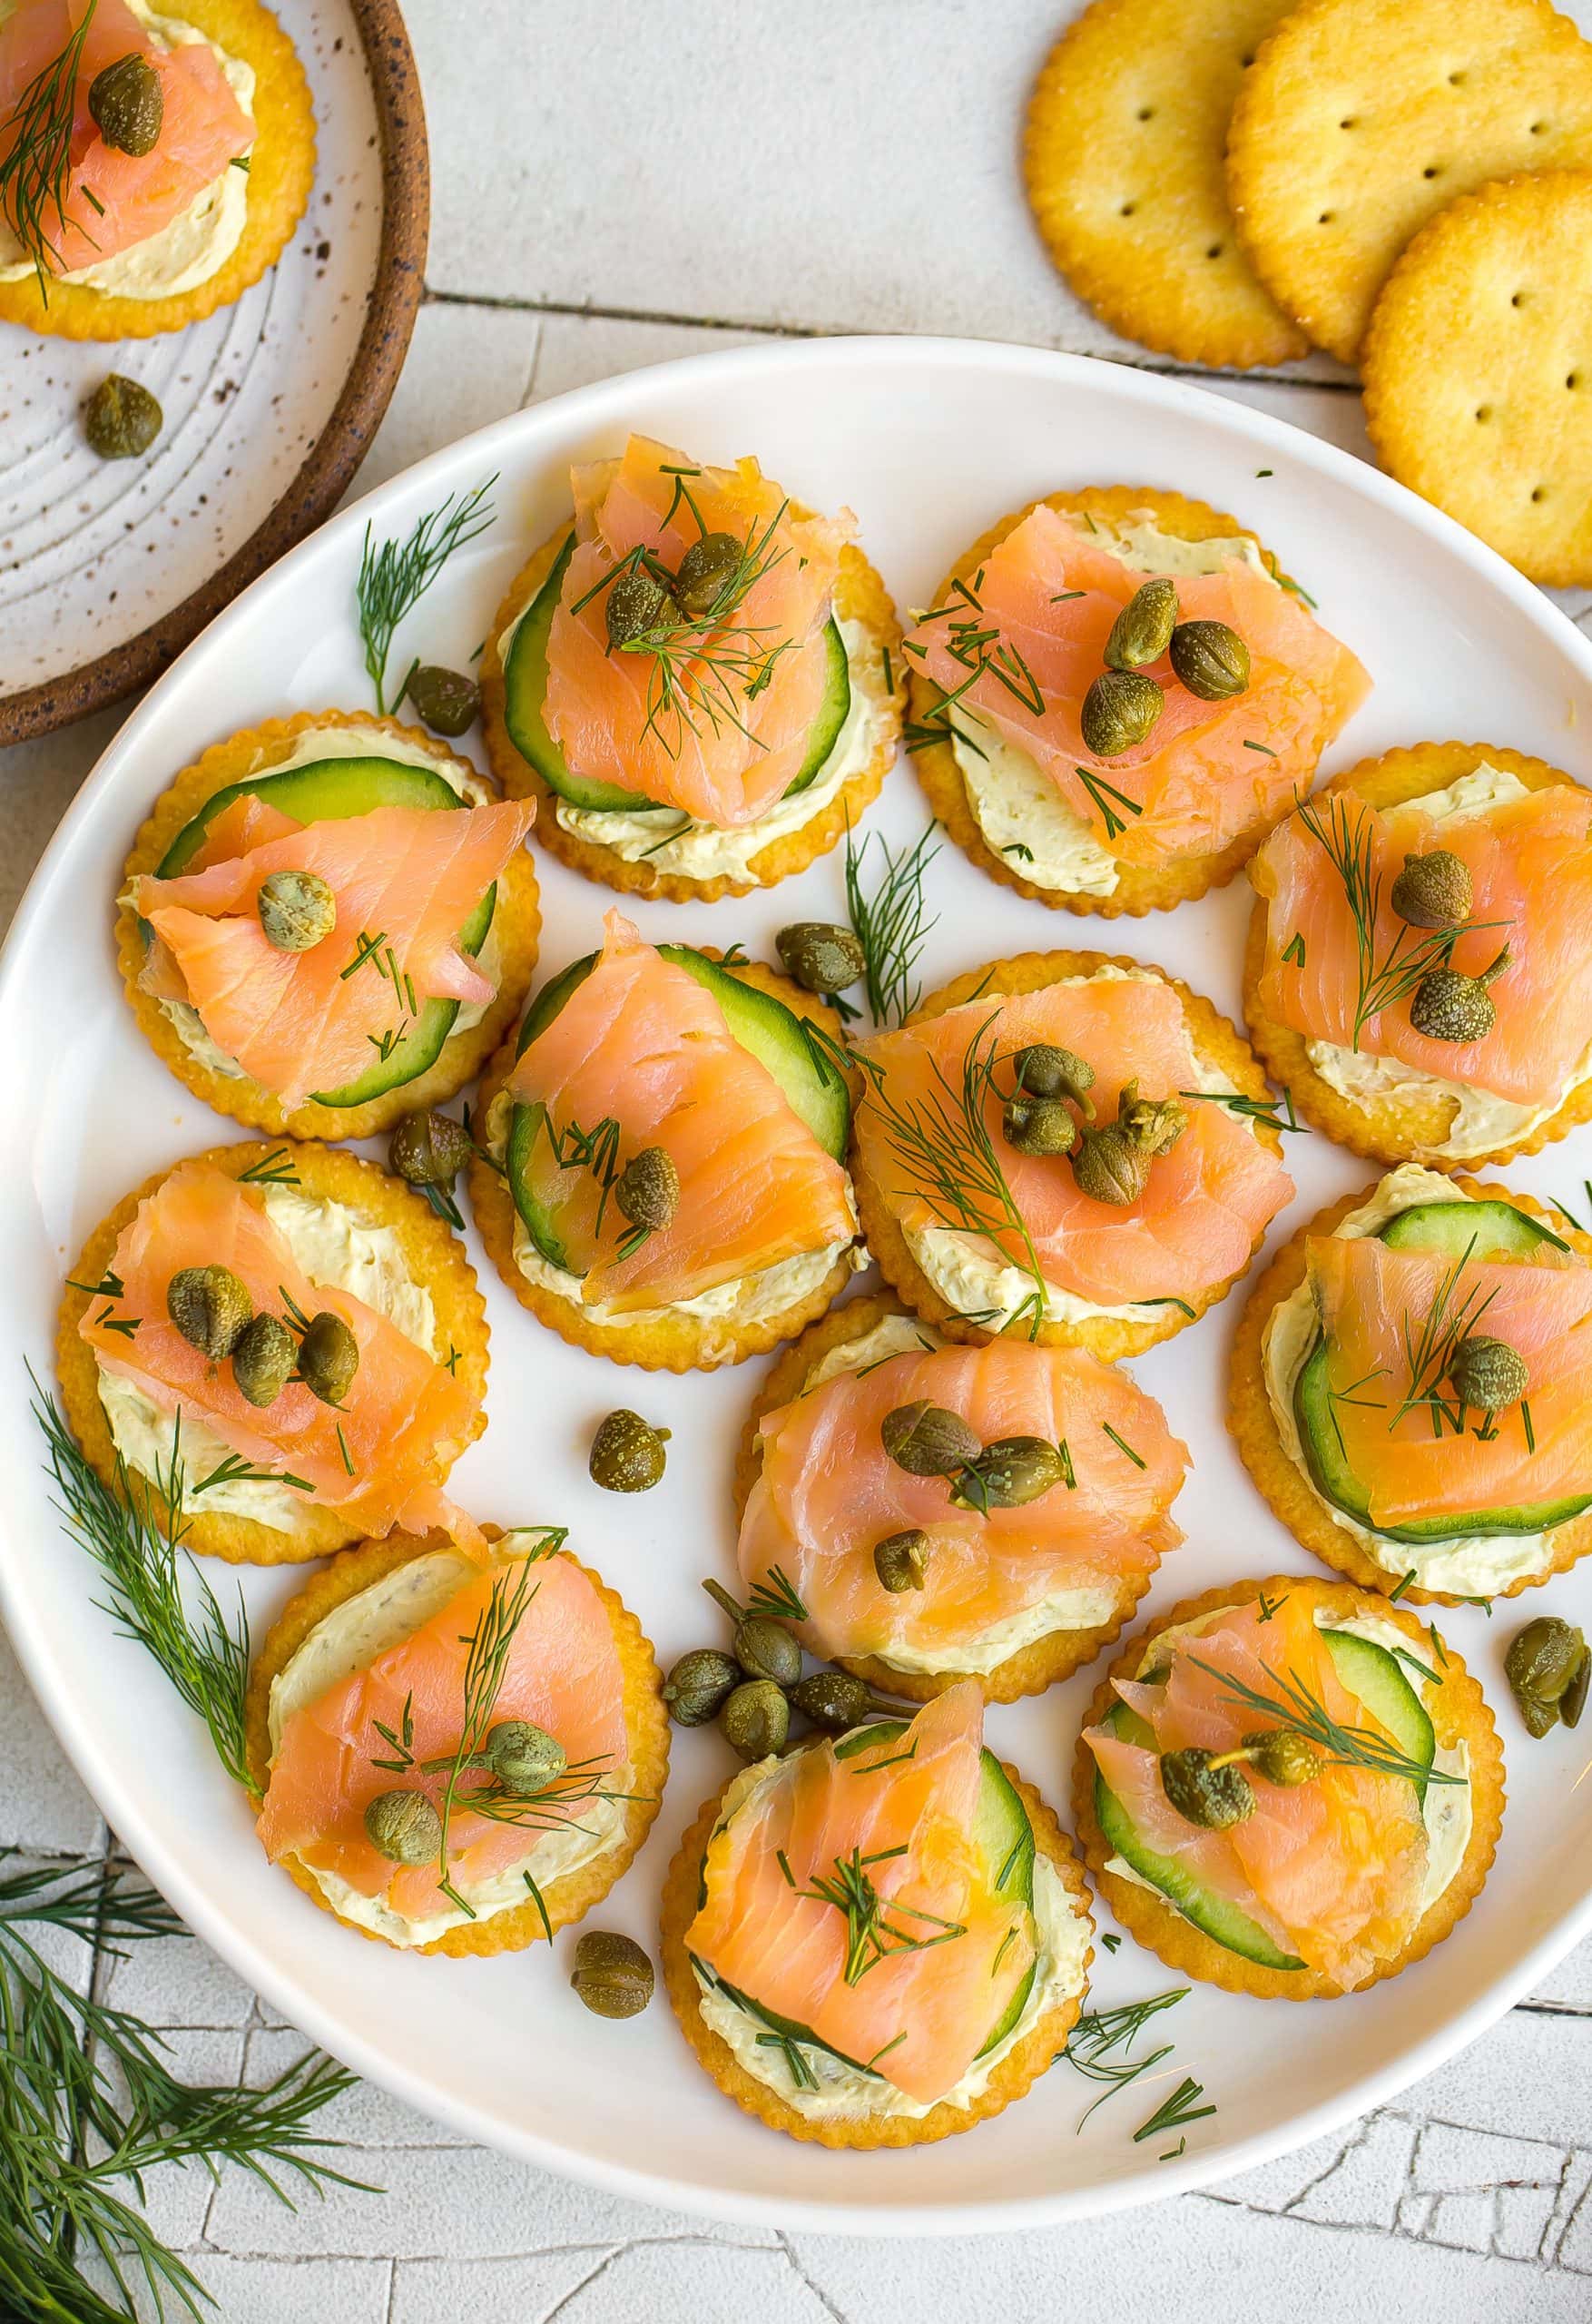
(210, 1307)
(636, 604)
(1544, 1662)
(927, 1440)
(328, 1357)
(1118, 712)
(1210, 659)
(403, 1827)
(647, 1190)
(1154, 1124)
(698, 1685)
(756, 1719)
(446, 701)
(1143, 630)
(1283, 1755)
(1111, 1167)
(1450, 1007)
(831, 1699)
(1011, 1471)
(264, 1359)
(297, 910)
(121, 419)
(820, 955)
(901, 1561)
(1433, 890)
(627, 1453)
(1202, 1792)
(1045, 1071)
(429, 1150)
(524, 1756)
(1037, 1124)
(127, 104)
(766, 1650)
(612, 1974)
(1488, 1373)
(704, 570)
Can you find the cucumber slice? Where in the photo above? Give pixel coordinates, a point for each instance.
(524, 690)
(1453, 1231)
(1376, 1679)
(327, 791)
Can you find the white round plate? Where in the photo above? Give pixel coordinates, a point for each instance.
(928, 441)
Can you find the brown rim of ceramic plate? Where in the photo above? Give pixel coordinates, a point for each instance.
(333, 459)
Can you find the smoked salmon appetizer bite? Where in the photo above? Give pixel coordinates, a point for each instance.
(1068, 1147)
(1289, 1789)
(457, 1749)
(1420, 962)
(1412, 1388)
(663, 1177)
(942, 1512)
(281, 1346)
(152, 164)
(697, 679)
(879, 1939)
(329, 923)
(1116, 694)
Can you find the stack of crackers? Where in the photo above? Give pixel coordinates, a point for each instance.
(1407, 183)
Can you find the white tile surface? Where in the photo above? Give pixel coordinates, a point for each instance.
(640, 163)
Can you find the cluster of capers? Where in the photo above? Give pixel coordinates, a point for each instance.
(927, 1439)
(753, 1688)
(522, 1759)
(1124, 703)
(644, 598)
(1433, 891)
(1548, 1669)
(1210, 1788)
(1110, 1160)
(213, 1312)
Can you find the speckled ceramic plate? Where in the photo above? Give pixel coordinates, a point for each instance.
(107, 568)
(926, 441)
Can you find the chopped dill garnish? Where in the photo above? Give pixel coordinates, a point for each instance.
(1123, 1446)
(273, 1169)
(1253, 1109)
(1172, 2111)
(235, 1470)
(1293, 950)
(1105, 798)
(1100, 2035)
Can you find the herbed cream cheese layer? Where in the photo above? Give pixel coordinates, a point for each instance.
(975, 1279)
(1481, 1122)
(350, 1638)
(1063, 1609)
(1471, 1565)
(193, 247)
(348, 743)
(336, 1249)
(1062, 1945)
(1447, 1811)
(1020, 810)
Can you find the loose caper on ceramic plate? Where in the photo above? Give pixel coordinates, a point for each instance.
(1210, 660)
(1433, 890)
(429, 1150)
(445, 701)
(756, 1720)
(121, 419)
(699, 1684)
(210, 1307)
(611, 1974)
(627, 1453)
(264, 1359)
(1448, 1006)
(1143, 630)
(1204, 1790)
(296, 909)
(927, 1440)
(820, 955)
(127, 105)
(831, 1698)
(1547, 1666)
(762, 1648)
(1119, 711)
(328, 1357)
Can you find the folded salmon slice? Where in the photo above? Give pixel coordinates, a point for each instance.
(642, 1044)
(409, 877)
(1393, 1319)
(1205, 1202)
(561, 1672)
(922, 2011)
(403, 1421)
(1031, 637)
(117, 200)
(1331, 1869)
(719, 727)
(1530, 865)
(827, 1492)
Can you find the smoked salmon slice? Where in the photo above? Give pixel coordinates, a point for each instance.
(404, 1420)
(1333, 1868)
(1392, 1319)
(1530, 865)
(899, 1813)
(404, 879)
(1205, 1202)
(827, 1492)
(117, 200)
(561, 1672)
(640, 1043)
(717, 722)
(1024, 645)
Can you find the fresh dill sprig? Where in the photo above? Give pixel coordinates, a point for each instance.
(205, 1659)
(486, 1668)
(1431, 1340)
(1100, 2035)
(394, 576)
(892, 924)
(36, 169)
(1175, 2110)
(875, 1925)
(776, 1594)
(1295, 1706)
(1277, 1113)
(235, 1470)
